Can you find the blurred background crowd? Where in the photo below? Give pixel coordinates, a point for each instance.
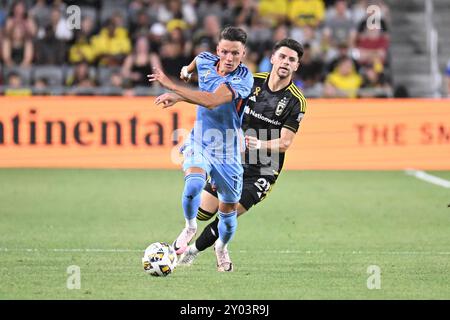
(119, 41)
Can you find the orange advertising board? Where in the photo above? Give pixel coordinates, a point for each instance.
(115, 132)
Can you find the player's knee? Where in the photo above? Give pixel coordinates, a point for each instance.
(194, 184)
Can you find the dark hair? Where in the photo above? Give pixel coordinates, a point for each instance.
(291, 44)
(234, 34)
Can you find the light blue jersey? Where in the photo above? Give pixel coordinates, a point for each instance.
(219, 130)
(215, 143)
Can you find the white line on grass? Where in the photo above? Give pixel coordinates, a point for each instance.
(428, 178)
(62, 250)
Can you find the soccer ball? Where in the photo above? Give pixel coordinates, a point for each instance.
(159, 259)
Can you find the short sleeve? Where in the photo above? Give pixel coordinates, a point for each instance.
(241, 84)
(295, 117)
(205, 59)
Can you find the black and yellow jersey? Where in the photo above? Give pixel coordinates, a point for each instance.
(265, 114)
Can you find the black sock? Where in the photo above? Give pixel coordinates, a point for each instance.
(209, 235)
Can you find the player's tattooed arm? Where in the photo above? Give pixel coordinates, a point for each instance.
(275, 145)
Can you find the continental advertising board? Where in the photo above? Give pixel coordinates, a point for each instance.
(114, 132)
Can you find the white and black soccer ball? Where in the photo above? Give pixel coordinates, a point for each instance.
(159, 259)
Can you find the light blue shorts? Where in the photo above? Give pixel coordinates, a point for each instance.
(226, 176)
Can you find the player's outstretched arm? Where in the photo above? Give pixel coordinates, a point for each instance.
(210, 100)
(275, 145)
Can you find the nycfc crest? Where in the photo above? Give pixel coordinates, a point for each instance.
(281, 105)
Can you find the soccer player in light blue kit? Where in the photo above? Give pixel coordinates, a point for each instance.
(214, 145)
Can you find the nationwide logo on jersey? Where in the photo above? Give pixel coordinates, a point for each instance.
(281, 105)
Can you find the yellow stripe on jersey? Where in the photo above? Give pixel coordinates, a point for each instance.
(296, 92)
(262, 75)
(290, 128)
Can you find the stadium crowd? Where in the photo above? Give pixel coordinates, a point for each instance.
(118, 42)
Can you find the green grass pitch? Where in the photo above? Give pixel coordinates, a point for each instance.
(314, 237)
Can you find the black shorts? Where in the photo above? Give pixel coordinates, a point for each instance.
(254, 190)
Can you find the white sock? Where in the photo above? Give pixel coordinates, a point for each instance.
(191, 223)
(193, 248)
(220, 245)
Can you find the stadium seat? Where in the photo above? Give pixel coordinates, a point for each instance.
(104, 74)
(25, 74)
(53, 74)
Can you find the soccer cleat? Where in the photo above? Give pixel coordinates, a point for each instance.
(181, 243)
(224, 263)
(188, 257)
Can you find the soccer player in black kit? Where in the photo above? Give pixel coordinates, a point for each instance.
(271, 119)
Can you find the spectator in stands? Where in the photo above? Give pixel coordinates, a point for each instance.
(14, 80)
(18, 19)
(359, 11)
(40, 13)
(177, 9)
(209, 33)
(81, 77)
(139, 63)
(343, 51)
(41, 87)
(373, 46)
(339, 26)
(307, 12)
(310, 72)
(50, 50)
(140, 26)
(343, 82)
(157, 34)
(280, 32)
(115, 85)
(218, 8)
(375, 84)
(112, 44)
(310, 35)
(244, 13)
(176, 33)
(82, 49)
(173, 58)
(59, 26)
(17, 47)
(274, 12)
(15, 86)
